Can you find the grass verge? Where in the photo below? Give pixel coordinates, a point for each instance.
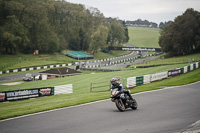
(81, 83)
(18, 108)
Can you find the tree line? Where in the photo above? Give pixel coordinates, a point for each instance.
(163, 25)
(142, 23)
(53, 25)
(182, 36)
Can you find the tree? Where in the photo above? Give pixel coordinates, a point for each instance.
(116, 33)
(98, 38)
(182, 36)
(126, 31)
(13, 35)
(163, 25)
(51, 26)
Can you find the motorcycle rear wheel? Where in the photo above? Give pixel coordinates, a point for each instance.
(120, 105)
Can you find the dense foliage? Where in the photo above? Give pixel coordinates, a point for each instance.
(53, 25)
(183, 35)
(163, 25)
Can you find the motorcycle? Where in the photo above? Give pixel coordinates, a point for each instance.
(122, 100)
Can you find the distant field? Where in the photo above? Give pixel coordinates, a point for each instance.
(144, 37)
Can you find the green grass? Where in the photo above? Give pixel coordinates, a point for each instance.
(182, 60)
(81, 83)
(144, 37)
(175, 81)
(22, 60)
(141, 37)
(101, 55)
(13, 109)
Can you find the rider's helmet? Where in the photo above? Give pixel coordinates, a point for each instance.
(113, 81)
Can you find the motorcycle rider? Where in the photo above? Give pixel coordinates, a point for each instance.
(120, 87)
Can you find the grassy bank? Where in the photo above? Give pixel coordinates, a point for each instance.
(13, 109)
(81, 83)
(81, 89)
(23, 60)
(174, 60)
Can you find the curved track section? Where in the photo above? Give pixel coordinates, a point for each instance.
(169, 110)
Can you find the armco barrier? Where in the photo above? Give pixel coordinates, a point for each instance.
(194, 66)
(191, 67)
(36, 68)
(32, 68)
(185, 69)
(182, 70)
(139, 80)
(135, 81)
(197, 64)
(131, 82)
(146, 79)
(188, 68)
(158, 76)
(174, 72)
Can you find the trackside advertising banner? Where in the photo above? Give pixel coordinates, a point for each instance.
(174, 72)
(25, 94)
(21, 94)
(46, 91)
(158, 76)
(135, 49)
(135, 81)
(2, 97)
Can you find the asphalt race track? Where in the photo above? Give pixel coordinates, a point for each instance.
(171, 110)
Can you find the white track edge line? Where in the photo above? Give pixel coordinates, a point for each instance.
(166, 88)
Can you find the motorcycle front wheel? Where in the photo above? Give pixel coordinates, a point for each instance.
(120, 105)
(134, 104)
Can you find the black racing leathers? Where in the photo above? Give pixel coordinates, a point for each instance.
(121, 89)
